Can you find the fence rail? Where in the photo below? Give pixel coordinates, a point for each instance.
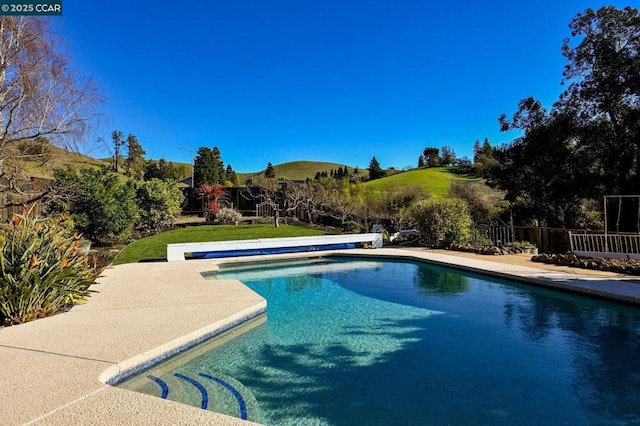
(548, 240)
(620, 246)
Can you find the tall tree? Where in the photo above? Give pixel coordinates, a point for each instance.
(231, 176)
(42, 100)
(118, 143)
(207, 167)
(270, 171)
(135, 162)
(603, 72)
(160, 170)
(375, 170)
(219, 164)
(431, 156)
(447, 156)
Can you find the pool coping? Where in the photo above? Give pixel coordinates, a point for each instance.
(64, 376)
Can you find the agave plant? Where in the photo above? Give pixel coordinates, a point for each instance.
(41, 270)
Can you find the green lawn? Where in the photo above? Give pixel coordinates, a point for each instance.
(155, 247)
(436, 181)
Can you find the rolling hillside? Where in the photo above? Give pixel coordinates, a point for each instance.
(435, 180)
(58, 157)
(297, 170)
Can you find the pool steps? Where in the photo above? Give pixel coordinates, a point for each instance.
(146, 360)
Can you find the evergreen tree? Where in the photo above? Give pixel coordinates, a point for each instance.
(134, 163)
(118, 142)
(375, 170)
(447, 156)
(318, 176)
(270, 172)
(421, 161)
(230, 175)
(205, 167)
(219, 165)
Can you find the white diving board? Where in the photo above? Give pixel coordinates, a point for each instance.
(176, 252)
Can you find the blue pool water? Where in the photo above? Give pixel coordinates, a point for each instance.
(355, 342)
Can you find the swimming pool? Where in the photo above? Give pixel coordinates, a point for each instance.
(385, 342)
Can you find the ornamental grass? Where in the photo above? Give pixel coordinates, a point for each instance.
(41, 269)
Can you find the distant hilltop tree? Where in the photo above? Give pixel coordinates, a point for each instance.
(375, 170)
(431, 156)
(270, 171)
(447, 156)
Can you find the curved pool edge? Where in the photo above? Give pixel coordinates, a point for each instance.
(625, 290)
(136, 364)
(54, 373)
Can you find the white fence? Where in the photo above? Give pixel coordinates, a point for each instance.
(620, 246)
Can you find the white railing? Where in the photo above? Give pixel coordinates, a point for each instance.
(620, 246)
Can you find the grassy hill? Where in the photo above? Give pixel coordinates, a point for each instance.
(57, 157)
(436, 181)
(297, 170)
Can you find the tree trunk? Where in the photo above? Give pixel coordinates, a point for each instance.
(276, 218)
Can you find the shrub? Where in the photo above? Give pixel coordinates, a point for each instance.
(41, 270)
(159, 202)
(227, 215)
(442, 221)
(351, 226)
(101, 204)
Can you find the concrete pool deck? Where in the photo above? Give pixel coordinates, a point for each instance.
(52, 368)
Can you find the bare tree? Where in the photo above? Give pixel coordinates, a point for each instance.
(340, 198)
(308, 196)
(42, 101)
(268, 192)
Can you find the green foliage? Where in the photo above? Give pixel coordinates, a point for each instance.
(269, 171)
(588, 144)
(397, 204)
(431, 157)
(447, 156)
(209, 167)
(230, 176)
(485, 203)
(442, 221)
(159, 202)
(134, 163)
(100, 203)
(161, 170)
(522, 244)
(375, 170)
(41, 270)
(351, 226)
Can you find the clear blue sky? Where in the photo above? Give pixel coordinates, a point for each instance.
(340, 81)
